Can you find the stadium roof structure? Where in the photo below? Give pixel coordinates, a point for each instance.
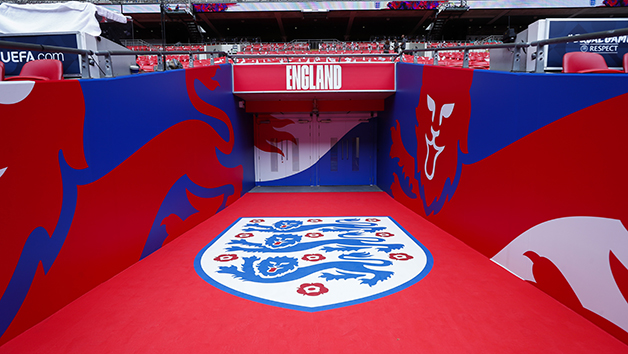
(280, 20)
(273, 22)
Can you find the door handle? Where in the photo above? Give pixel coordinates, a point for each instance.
(342, 146)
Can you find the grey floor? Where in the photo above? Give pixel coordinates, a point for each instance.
(313, 189)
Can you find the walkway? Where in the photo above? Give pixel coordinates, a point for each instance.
(466, 304)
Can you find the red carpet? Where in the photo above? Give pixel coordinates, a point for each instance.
(466, 304)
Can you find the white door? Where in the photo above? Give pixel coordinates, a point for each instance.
(283, 150)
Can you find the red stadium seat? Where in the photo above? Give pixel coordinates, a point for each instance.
(586, 62)
(40, 70)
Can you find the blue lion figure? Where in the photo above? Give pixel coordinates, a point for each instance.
(279, 241)
(292, 243)
(346, 227)
(283, 268)
(285, 225)
(276, 266)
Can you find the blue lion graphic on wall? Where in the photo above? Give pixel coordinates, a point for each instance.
(283, 269)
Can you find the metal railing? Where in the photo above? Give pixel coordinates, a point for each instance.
(235, 57)
(538, 56)
(86, 55)
(83, 53)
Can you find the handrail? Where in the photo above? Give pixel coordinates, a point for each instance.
(582, 37)
(44, 48)
(324, 55)
(538, 56)
(158, 52)
(85, 53)
(51, 48)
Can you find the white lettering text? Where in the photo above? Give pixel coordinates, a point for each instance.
(313, 77)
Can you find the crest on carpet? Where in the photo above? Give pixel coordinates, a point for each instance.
(313, 264)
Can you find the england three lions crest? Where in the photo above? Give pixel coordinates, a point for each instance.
(313, 264)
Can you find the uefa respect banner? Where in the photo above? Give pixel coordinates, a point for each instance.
(313, 264)
(611, 48)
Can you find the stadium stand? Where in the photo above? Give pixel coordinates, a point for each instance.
(298, 52)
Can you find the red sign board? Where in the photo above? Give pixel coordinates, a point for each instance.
(314, 77)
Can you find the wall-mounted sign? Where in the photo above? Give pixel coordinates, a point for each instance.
(314, 77)
(611, 48)
(14, 59)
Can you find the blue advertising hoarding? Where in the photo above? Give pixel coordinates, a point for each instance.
(14, 59)
(612, 48)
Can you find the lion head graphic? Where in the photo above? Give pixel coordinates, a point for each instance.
(441, 130)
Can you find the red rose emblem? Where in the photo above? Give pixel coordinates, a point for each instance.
(312, 289)
(226, 257)
(313, 257)
(244, 235)
(384, 234)
(314, 234)
(400, 256)
(372, 220)
(256, 221)
(315, 220)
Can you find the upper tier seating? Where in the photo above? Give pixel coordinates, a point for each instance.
(301, 53)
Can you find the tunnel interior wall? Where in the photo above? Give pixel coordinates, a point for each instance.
(525, 168)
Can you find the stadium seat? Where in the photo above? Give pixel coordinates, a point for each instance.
(40, 70)
(586, 62)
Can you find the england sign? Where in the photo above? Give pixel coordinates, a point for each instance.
(314, 77)
(313, 264)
